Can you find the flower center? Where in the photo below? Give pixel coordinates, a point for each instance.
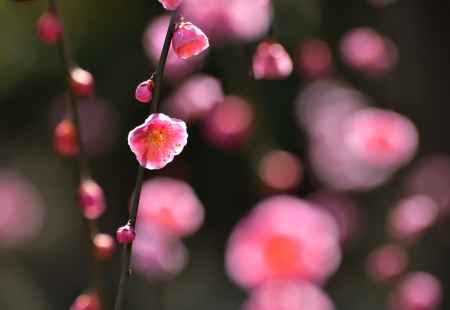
(282, 254)
(156, 138)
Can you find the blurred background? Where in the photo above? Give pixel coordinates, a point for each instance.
(249, 140)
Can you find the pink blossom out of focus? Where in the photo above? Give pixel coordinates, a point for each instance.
(125, 234)
(431, 177)
(88, 301)
(195, 98)
(288, 296)
(366, 50)
(275, 243)
(144, 91)
(21, 216)
(417, 291)
(387, 262)
(81, 82)
(230, 123)
(170, 206)
(411, 217)
(104, 246)
(153, 41)
(240, 20)
(343, 209)
(65, 138)
(92, 200)
(315, 59)
(323, 108)
(100, 125)
(170, 4)
(158, 256)
(280, 170)
(271, 61)
(188, 40)
(158, 140)
(381, 138)
(49, 28)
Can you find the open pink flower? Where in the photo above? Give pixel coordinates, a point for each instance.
(188, 40)
(281, 295)
(284, 238)
(170, 206)
(170, 4)
(271, 61)
(156, 142)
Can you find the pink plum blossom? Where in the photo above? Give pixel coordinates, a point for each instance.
(65, 138)
(387, 262)
(315, 59)
(188, 40)
(280, 170)
(170, 4)
(271, 61)
(104, 246)
(81, 82)
(92, 200)
(158, 140)
(240, 20)
(230, 123)
(144, 91)
(283, 238)
(417, 291)
(156, 255)
(49, 28)
(170, 206)
(380, 138)
(195, 98)
(21, 215)
(153, 41)
(87, 301)
(280, 295)
(366, 50)
(411, 217)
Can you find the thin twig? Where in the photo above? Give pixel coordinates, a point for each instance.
(154, 107)
(81, 167)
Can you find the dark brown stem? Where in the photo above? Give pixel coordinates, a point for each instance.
(159, 75)
(81, 166)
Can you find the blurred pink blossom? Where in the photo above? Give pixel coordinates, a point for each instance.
(240, 20)
(411, 217)
(157, 255)
(280, 170)
(87, 301)
(275, 243)
(92, 200)
(195, 98)
(366, 50)
(153, 42)
(271, 61)
(343, 209)
(380, 138)
(288, 296)
(170, 206)
(315, 59)
(158, 140)
(431, 177)
(387, 262)
(230, 123)
(417, 291)
(21, 216)
(49, 28)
